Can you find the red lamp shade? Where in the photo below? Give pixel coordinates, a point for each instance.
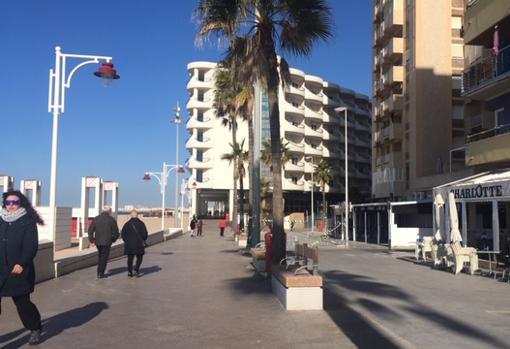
(107, 71)
(180, 169)
(146, 177)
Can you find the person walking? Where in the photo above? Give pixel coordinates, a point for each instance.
(103, 232)
(222, 224)
(193, 225)
(134, 234)
(18, 246)
(199, 228)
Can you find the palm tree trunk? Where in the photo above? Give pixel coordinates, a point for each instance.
(250, 172)
(279, 239)
(234, 202)
(325, 225)
(240, 174)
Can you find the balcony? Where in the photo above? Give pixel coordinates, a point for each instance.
(333, 153)
(312, 79)
(393, 18)
(310, 96)
(194, 103)
(330, 117)
(194, 123)
(489, 147)
(206, 163)
(317, 133)
(193, 143)
(194, 82)
(330, 136)
(393, 76)
(296, 147)
(331, 102)
(298, 129)
(294, 108)
(312, 114)
(294, 167)
(393, 50)
(487, 76)
(295, 90)
(290, 184)
(393, 104)
(482, 16)
(317, 151)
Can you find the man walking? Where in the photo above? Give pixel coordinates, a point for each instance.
(103, 232)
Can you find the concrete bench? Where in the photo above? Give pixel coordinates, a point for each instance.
(299, 286)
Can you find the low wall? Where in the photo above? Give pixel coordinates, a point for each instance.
(44, 267)
(89, 258)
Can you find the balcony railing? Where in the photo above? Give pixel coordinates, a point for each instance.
(486, 69)
(496, 131)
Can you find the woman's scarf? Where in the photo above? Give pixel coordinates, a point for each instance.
(10, 217)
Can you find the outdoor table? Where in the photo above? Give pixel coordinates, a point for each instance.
(490, 258)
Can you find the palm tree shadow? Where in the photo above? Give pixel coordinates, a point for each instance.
(55, 325)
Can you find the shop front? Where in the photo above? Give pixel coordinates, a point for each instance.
(483, 206)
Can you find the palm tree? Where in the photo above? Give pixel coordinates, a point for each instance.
(266, 154)
(253, 30)
(323, 175)
(238, 156)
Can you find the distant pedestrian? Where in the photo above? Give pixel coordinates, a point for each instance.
(134, 234)
(193, 225)
(18, 247)
(292, 223)
(103, 232)
(199, 227)
(222, 224)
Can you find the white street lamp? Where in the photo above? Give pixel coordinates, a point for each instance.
(162, 179)
(58, 82)
(346, 169)
(177, 121)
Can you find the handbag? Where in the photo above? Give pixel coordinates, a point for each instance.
(144, 243)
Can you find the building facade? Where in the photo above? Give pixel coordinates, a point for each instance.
(310, 127)
(418, 123)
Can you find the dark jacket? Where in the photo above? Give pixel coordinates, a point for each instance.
(134, 233)
(18, 245)
(104, 230)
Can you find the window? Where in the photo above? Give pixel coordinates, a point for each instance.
(294, 180)
(200, 176)
(201, 75)
(200, 155)
(200, 136)
(200, 116)
(500, 117)
(294, 161)
(200, 97)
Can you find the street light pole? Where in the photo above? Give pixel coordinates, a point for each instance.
(58, 82)
(313, 189)
(346, 169)
(162, 179)
(177, 121)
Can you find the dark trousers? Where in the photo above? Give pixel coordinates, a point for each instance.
(130, 257)
(222, 230)
(103, 254)
(27, 312)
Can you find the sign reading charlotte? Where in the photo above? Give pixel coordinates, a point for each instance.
(478, 192)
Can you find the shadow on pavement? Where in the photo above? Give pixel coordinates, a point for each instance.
(250, 285)
(150, 270)
(55, 325)
(166, 253)
(361, 332)
(358, 328)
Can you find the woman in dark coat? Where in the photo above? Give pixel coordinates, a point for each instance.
(134, 233)
(18, 247)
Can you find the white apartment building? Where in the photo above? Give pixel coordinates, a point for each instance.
(310, 126)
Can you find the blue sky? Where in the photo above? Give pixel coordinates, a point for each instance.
(121, 131)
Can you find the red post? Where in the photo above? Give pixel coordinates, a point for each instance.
(268, 238)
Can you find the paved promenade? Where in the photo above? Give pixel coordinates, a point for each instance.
(200, 293)
(196, 293)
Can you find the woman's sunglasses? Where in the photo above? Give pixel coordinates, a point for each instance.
(12, 202)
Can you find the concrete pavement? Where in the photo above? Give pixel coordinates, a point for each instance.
(196, 293)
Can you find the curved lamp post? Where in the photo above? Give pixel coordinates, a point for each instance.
(177, 121)
(59, 81)
(162, 180)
